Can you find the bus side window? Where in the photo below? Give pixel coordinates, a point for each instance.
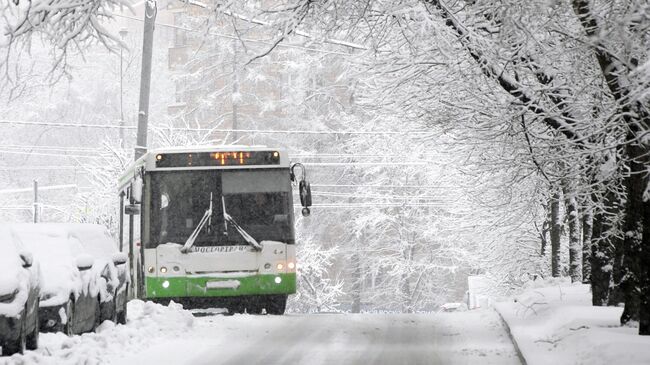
(164, 215)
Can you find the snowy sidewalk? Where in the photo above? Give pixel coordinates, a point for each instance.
(556, 324)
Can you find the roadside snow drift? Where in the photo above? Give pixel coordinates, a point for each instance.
(555, 323)
(147, 322)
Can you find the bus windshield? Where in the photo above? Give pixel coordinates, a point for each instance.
(258, 200)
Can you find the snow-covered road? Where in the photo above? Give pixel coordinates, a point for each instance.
(169, 335)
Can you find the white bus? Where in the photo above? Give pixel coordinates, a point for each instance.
(212, 226)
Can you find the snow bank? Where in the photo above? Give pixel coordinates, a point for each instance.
(147, 322)
(553, 322)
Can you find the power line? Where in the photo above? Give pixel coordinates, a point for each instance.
(44, 167)
(31, 153)
(267, 24)
(40, 188)
(71, 125)
(335, 164)
(379, 186)
(221, 130)
(365, 196)
(52, 148)
(292, 155)
(16, 207)
(374, 205)
(228, 36)
(353, 155)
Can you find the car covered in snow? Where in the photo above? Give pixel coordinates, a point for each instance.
(80, 286)
(19, 296)
(98, 243)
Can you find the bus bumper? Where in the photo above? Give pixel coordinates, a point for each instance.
(206, 286)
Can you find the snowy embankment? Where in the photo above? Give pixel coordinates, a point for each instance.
(147, 323)
(555, 323)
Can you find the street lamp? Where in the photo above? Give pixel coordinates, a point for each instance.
(123, 34)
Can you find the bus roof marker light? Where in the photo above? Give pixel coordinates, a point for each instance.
(278, 280)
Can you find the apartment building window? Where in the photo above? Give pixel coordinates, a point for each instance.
(180, 35)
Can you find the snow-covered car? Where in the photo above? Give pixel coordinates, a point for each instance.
(98, 243)
(19, 296)
(72, 280)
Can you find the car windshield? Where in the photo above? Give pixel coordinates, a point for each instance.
(258, 200)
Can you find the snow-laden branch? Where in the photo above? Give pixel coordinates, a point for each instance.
(65, 24)
(507, 83)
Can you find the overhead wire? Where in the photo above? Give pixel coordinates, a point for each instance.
(40, 188)
(221, 130)
(46, 154)
(374, 205)
(365, 196)
(234, 37)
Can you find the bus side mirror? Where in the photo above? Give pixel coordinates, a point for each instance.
(136, 190)
(305, 196)
(304, 189)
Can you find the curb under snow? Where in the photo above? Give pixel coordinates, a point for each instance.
(520, 354)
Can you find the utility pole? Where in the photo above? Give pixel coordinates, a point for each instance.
(235, 90)
(36, 201)
(150, 11)
(123, 33)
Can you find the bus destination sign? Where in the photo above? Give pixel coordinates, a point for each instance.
(221, 158)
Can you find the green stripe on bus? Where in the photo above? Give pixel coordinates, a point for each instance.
(183, 286)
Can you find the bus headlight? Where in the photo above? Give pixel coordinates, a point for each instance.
(278, 280)
(165, 284)
(291, 265)
(280, 266)
(163, 269)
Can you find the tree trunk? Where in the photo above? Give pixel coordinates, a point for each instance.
(575, 249)
(355, 262)
(633, 280)
(587, 233)
(636, 245)
(644, 297)
(601, 250)
(556, 227)
(616, 295)
(546, 227)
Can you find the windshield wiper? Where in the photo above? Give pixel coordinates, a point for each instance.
(247, 237)
(190, 240)
(225, 221)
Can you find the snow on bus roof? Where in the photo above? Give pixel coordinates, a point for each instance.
(204, 148)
